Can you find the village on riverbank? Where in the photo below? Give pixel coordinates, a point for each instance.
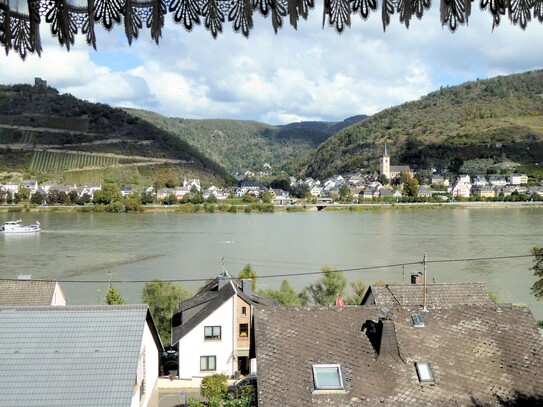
(392, 185)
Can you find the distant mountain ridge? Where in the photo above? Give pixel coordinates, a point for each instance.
(247, 145)
(325, 127)
(495, 118)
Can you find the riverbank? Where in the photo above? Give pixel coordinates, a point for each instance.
(256, 208)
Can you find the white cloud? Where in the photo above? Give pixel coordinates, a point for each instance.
(309, 74)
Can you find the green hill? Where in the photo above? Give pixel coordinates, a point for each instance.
(499, 118)
(247, 145)
(46, 135)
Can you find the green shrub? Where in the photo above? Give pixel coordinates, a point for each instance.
(115, 207)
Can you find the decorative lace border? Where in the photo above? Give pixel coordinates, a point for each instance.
(19, 32)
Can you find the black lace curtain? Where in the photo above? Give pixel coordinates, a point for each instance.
(20, 20)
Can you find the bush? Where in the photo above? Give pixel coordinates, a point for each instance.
(214, 388)
(115, 207)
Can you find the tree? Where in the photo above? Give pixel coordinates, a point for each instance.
(108, 194)
(267, 197)
(345, 193)
(84, 199)
(359, 289)
(456, 164)
(248, 272)
(170, 200)
(285, 295)
(74, 197)
(248, 198)
(411, 187)
(537, 288)
(113, 296)
(24, 194)
(328, 287)
(197, 197)
(36, 198)
(383, 180)
(163, 298)
(147, 198)
(211, 199)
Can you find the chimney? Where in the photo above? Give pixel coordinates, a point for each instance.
(223, 279)
(416, 277)
(389, 342)
(247, 286)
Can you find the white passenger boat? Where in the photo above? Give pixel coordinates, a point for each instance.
(15, 226)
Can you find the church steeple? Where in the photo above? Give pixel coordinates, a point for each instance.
(384, 162)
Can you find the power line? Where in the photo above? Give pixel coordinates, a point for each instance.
(308, 273)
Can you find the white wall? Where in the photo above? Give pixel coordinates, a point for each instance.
(193, 345)
(148, 346)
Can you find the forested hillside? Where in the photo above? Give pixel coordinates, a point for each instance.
(247, 145)
(51, 136)
(497, 118)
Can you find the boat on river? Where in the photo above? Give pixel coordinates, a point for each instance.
(15, 226)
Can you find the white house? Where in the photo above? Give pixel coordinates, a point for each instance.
(497, 181)
(12, 187)
(30, 184)
(212, 330)
(462, 186)
(316, 190)
(518, 179)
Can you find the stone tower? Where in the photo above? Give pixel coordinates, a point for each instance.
(384, 163)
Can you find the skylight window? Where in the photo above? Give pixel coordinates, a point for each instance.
(417, 320)
(327, 377)
(424, 372)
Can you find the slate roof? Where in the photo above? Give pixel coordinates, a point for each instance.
(70, 356)
(206, 301)
(478, 356)
(26, 292)
(437, 295)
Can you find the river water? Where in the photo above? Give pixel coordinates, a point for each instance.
(82, 250)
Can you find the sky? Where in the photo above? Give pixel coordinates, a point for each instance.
(311, 73)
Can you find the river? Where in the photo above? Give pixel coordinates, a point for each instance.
(82, 250)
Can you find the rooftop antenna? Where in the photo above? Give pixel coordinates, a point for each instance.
(224, 271)
(424, 294)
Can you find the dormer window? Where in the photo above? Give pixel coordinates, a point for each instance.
(327, 377)
(424, 372)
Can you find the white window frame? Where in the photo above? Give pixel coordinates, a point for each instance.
(424, 372)
(323, 387)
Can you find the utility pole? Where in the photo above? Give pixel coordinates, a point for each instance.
(424, 295)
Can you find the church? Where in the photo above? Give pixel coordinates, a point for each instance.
(392, 171)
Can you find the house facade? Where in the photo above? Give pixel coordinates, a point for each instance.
(212, 330)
